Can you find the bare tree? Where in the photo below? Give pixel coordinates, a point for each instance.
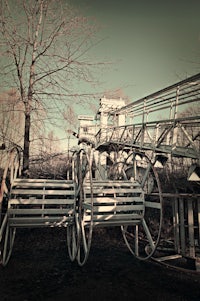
(44, 49)
(11, 119)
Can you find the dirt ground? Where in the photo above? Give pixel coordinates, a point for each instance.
(40, 269)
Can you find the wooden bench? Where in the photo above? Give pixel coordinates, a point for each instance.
(106, 204)
(36, 203)
(113, 203)
(40, 203)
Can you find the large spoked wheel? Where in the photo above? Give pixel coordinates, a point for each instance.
(73, 237)
(85, 215)
(7, 242)
(73, 228)
(7, 233)
(143, 238)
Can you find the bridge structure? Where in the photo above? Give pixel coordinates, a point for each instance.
(160, 129)
(164, 122)
(117, 181)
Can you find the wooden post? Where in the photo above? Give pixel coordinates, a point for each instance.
(182, 226)
(176, 226)
(198, 212)
(191, 228)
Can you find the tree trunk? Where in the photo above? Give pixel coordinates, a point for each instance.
(26, 144)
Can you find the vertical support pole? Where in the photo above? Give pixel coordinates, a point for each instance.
(156, 133)
(176, 226)
(182, 226)
(175, 129)
(198, 212)
(176, 103)
(170, 117)
(136, 241)
(198, 223)
(73, 168)
(143, 124)
(144, 111)
(68, 159)
(133, 134)
(191, 228)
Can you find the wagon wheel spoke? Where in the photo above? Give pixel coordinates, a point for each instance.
(7, 244)
(84, 217)
(73, 233)
(73, 228)
(145, 176)
(149, 237)
(143, 237)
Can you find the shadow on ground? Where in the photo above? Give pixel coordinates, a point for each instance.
(40, 269)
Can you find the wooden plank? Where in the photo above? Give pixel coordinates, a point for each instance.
(25, 221)
(112, 223)
(118, 208)
(41, 201)
(42, 211)
(41, 224)
(108, 217)
(20, 180)
(105, 199)
(170, 257)
(36, 219)
(115, 207)
(113, 191)
(41, 192)
(110, 183)
(38, 184)
(177, 195)
(153, 205)
(113, 184)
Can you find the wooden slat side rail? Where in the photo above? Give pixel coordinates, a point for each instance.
(114, 203)
(34, 222)
(37, 203)
(111, 200)
(49, 211)
(42, 192)
(53, 182)
(39, 184)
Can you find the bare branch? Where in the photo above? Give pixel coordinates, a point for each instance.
(45, 46)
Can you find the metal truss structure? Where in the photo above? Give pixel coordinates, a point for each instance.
(166, 122)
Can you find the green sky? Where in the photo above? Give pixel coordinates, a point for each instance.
(152, 43)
